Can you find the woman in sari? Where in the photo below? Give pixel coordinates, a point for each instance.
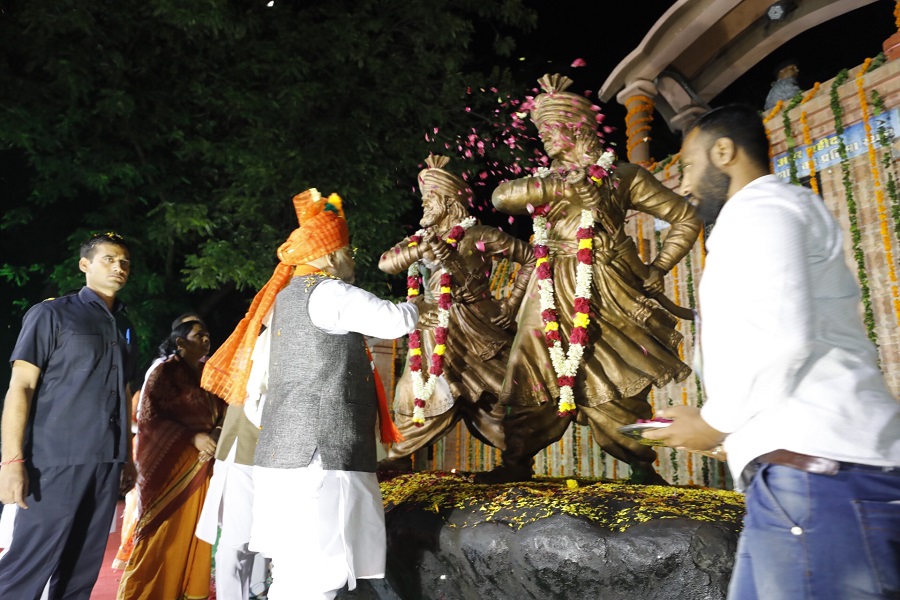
(177, 429)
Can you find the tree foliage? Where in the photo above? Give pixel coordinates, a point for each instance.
(187, 127)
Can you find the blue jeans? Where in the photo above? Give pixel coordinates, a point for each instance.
(819, 537)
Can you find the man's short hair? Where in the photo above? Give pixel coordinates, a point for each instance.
(110, 237)
(739, 123)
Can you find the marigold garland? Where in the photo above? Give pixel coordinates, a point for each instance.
(422, 389)
(879, 190)
(811, 161)
(887, 163)
(634, 127)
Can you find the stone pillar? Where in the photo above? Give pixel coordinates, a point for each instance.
(637, 97)
(686, 117)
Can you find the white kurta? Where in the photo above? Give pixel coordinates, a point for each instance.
(324, 528)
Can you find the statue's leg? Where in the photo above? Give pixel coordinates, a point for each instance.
(414, 438)
(527, 431)
(485, 420)
(605, 420)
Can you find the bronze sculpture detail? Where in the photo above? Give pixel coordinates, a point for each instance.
(632, 343)
(479, 334)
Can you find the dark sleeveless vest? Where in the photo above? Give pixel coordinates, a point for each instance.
(321, 391)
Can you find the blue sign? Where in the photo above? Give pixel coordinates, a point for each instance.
(825, 150)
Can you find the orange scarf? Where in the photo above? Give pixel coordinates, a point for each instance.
(322, 230)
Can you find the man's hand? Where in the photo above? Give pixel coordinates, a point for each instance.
(14, 484)
(655, 282)
(129, 478)
(206, 445)
(688, 429)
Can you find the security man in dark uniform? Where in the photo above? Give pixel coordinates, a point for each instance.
(64, 435)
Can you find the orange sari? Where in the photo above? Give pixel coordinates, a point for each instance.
(168, 562)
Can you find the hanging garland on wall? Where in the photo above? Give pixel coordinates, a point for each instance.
(887, 160)
(879, 190)
(807, 141)
(852, 210)
(789, 135)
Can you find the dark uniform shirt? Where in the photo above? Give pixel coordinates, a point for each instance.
(87, 355)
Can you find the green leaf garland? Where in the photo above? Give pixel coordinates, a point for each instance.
(852, 210)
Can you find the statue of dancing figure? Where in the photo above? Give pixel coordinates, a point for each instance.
(479, 333)
(631, 342)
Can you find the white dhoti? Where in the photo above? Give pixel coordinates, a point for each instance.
(229, 503)
(322, 529)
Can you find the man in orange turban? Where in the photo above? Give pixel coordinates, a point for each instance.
(317, 510)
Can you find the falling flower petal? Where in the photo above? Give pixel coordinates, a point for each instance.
(579, 62)
(480, 245)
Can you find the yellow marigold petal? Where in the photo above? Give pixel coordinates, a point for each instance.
(445, 290)
(541, 261)
(551, 326)
(439, 349)
(585, 244)
(581, 320)
(415, 351)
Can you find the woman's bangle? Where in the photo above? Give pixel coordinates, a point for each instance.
(9, 462)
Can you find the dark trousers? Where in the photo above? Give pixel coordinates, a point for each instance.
(62, 535)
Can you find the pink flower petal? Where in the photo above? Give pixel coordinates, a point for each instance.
(579, 62)
(480, 245)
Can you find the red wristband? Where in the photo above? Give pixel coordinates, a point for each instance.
(9, 462)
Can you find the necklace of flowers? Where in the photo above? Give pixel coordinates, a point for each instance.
(565, 364)
(423, 390)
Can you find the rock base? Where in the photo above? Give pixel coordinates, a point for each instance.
(449, 539)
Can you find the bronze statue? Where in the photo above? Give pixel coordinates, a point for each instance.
(631, 342)
(478, 335)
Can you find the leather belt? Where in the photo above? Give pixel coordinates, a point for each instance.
(802, 462)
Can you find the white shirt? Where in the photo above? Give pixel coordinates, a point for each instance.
(786, 361)
(338, 308)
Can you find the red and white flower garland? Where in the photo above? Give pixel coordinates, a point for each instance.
(421, 388)
(565, 364)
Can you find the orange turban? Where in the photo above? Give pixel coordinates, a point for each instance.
(322, 230)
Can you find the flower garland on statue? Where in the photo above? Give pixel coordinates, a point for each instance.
(565, 364)
(421, 388)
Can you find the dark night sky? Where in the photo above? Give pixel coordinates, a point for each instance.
(604, 36)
